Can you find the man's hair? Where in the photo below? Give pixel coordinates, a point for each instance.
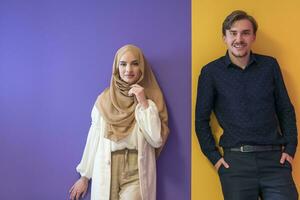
(236, 16)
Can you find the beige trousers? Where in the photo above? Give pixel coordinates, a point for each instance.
(125, 184)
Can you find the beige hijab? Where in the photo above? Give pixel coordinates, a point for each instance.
(118, 108)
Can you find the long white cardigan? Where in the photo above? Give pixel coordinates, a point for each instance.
(96, 159)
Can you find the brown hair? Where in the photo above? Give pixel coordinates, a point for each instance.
(236, 16)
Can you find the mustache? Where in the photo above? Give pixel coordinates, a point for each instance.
(239, 43)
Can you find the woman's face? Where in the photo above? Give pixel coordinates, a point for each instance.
(129, 68)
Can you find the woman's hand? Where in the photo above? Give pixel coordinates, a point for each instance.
(79, 188)
(139, 93)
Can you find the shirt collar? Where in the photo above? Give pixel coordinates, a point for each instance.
(228, 62)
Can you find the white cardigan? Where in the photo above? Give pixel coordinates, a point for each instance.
(96, 159)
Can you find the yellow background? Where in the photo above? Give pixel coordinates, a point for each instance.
(278, 35)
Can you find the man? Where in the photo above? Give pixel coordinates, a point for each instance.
(248, 96)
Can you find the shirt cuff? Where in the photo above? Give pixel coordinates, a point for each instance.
(214, 156)
(290, 149)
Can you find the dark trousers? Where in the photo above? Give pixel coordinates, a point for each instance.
(257, 174)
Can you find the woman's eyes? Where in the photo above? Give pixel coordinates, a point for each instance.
(123, 64)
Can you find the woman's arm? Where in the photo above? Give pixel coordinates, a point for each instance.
(147, 117)
(85, 167)
(149, 122)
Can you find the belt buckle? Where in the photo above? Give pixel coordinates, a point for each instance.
(244, 149)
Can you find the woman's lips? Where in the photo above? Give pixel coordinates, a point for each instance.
(129, 76)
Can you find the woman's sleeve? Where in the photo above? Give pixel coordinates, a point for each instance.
(85, 167)
(149, 123)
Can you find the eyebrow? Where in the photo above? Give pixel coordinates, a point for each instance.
(246, 30)
(122, 61)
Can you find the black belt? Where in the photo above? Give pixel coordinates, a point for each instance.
(251, 148)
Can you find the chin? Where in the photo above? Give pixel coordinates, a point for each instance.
(131, 82)
(239, 54)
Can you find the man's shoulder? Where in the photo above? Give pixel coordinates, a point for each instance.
(264, 58)
(215, 63)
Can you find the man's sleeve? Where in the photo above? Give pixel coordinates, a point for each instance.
(285, 112)
(204, 106)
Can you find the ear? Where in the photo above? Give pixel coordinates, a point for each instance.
(254, 38)
(224, 38)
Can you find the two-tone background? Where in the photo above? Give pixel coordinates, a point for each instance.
(56, 57)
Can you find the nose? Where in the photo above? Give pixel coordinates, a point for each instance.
(128, 67)
(239, 37)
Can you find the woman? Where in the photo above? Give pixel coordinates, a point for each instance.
(129, 128)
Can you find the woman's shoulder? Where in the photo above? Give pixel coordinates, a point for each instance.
(102, 96)
(103, 93)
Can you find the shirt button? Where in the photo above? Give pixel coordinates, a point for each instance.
(108, 162)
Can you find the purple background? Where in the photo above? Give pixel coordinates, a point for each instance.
(55, 58)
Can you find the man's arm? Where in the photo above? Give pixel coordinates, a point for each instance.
(204, 106)
(285, 112)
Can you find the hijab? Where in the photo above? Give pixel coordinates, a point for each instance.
(117, 107)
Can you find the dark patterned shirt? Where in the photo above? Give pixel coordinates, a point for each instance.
(252, 106)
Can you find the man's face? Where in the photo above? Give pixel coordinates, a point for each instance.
(239, 39)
